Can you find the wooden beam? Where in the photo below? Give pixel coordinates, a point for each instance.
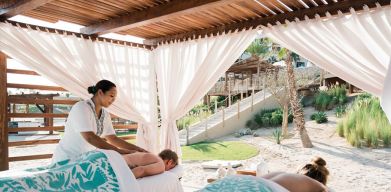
(21, 6)
(122, 126)
(3, 114)
(332, 8)
(39, 87)
(41, 101)
(22, 72)
(33, 142)
(170, 10)
(37, 115)
(30, 157)
(27, 129)
(79, 35)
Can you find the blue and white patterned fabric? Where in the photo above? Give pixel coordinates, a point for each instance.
(90, 172)
(243, 183)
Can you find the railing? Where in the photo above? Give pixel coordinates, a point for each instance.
(236, 86)
(225, 106)
(45, 104)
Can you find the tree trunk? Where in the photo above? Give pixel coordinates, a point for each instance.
(296, 108)
(285, 120)
(321, 77)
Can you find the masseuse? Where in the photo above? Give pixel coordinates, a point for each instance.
(89, 127)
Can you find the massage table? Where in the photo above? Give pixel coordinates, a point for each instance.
(99, 170)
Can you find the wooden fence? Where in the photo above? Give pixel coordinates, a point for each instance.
(44, 103)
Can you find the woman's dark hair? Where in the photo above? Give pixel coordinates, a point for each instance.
(103, 85)
(316, 170)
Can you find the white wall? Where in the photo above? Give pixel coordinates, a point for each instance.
(233, 124)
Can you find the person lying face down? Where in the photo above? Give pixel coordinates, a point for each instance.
(170, 158)
(316, 170)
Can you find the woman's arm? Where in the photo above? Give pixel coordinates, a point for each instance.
(120, 143)
(98, 142)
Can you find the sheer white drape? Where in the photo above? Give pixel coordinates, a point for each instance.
(75, 64)
(187, 70)
(356, 47)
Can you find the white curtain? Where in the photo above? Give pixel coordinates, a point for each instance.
(187, 70)
(75, 63)
(356, 47)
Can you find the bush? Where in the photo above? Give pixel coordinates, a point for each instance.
(340, 110)
(319, 117)
(251, 124)
(322, 101)
(365, 123)
(326, 100)
(313, 116)
(277, 135)
(242, 132)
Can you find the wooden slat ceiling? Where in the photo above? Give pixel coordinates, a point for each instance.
(161, 20)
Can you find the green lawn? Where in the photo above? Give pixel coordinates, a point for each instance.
(227, 150)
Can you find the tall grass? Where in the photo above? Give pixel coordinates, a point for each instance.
(365, 124)
(326, 100)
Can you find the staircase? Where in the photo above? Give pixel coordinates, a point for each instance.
(225, 120)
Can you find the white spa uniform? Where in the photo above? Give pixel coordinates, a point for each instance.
(82, 118)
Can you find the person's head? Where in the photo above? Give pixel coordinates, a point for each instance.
(316, 170)
(170, 158)
(104, 92)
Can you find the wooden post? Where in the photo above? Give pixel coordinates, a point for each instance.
(229, 93)
(223, 117)
(3, 114)
(264, 87)
(252, 100)
(239, 109)
(251, 79)
(49, 120)
(216, 106)
(226, 81)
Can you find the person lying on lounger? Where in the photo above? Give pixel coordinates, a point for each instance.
(89, 127)
(312, 177)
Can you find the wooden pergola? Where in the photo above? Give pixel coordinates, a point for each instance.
(159, 21)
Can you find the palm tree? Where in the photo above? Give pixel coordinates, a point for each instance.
(264, 49)
(296, 108)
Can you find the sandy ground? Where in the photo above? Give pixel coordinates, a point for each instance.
(351, 169)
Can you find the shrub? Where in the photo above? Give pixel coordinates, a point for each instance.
(277, 135)
(271, 117)
(326, 100)
(340, 110)
(319, 117)
(313, 117)
(242, 132)
(322, 101)
(251, 124)
(365, 123)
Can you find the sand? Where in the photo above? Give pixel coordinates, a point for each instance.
(352, 169)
